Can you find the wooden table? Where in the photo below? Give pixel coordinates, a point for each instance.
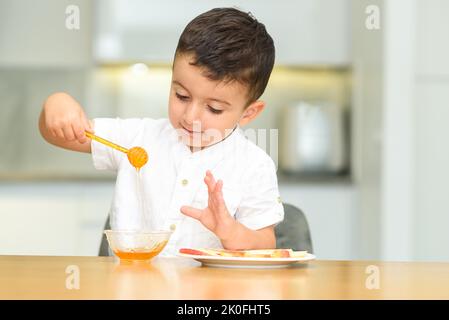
(37, 277)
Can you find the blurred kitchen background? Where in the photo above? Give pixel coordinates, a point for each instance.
(361, 104)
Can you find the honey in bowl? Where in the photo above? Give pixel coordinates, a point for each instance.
(140, 253)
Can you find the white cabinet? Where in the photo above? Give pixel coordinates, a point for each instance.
(53, 218)
(305, 32)
(431, 172)
(314, 32)
(432, 38)
(36, 34)
(431, 94)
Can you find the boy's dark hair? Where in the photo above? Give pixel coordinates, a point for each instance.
(232, 46)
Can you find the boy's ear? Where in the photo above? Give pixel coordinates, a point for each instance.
(251, 112)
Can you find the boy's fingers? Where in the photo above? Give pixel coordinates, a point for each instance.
(211, 176)
(68, 133)
(192, 212)
(60, 133)
(215, 198)
(215, 189)
(210, 186)
(219, 197)
(218, 201)
(219, 186)
(87, 125)
(79, 133)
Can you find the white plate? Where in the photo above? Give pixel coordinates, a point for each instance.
(239, 262)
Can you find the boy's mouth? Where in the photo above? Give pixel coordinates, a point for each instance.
(189, 131)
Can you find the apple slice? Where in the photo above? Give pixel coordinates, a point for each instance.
(193, 251)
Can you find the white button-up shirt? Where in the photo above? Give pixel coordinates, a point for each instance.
(174, 177)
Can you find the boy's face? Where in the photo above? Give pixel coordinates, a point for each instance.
(204, 111)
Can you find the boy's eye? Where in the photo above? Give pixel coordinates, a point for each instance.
(216, 111)
(181, 97)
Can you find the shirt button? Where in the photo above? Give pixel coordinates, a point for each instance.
(184, 182)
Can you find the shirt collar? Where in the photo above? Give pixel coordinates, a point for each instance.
(212, 154)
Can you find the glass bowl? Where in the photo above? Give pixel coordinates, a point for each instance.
(137, 245)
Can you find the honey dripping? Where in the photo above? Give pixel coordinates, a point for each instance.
(138, 157)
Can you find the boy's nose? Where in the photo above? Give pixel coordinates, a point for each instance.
(192, 114)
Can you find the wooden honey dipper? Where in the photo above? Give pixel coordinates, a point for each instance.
(137, 156)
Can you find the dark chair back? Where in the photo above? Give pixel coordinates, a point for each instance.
(293, 232)
(104, 246)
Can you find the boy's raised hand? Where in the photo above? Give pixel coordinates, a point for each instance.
(215, 216)
(65, 119)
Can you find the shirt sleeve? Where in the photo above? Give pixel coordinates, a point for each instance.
(261, 205)
(118, 131)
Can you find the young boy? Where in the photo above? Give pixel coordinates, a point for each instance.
(203, 175)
